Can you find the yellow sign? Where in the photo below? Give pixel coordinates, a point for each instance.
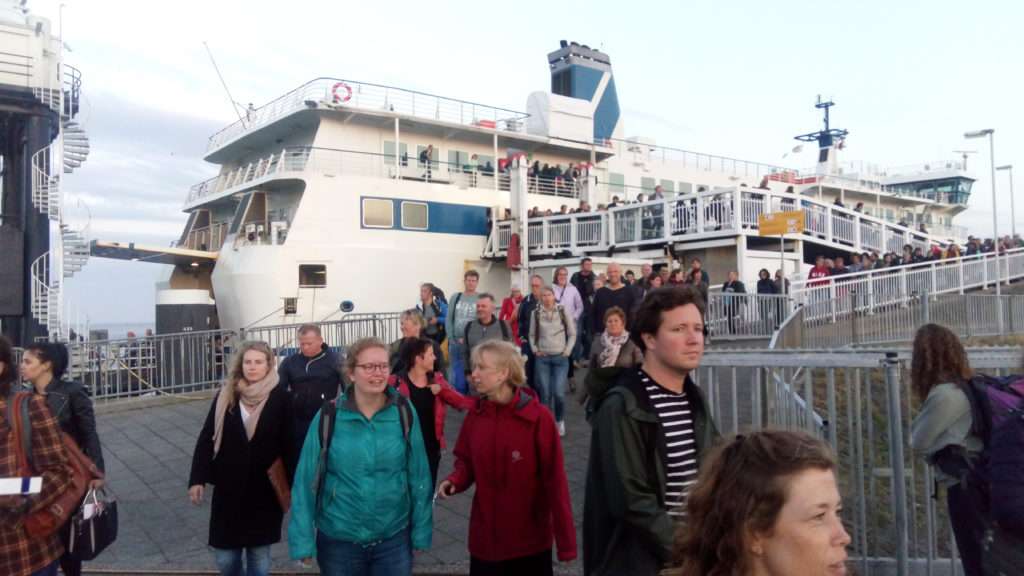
(778, 223)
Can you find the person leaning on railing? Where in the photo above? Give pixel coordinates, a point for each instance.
(21, 554)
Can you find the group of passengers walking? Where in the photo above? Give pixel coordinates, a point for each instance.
(352, 452)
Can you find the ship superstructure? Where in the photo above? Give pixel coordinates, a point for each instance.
(345, 190)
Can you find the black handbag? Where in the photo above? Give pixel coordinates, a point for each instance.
(93, 527)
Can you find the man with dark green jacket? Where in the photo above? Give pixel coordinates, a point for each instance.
(651, 427)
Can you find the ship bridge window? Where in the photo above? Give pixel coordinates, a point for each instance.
(312, 275)
(414, 215)
(378, 213)
(403, 152)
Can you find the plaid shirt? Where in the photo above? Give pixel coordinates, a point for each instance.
(19, 554)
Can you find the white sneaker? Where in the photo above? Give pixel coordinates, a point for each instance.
(561, 428)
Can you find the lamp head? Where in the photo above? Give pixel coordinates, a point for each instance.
(979, 133)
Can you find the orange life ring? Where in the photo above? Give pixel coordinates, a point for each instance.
(341, 99)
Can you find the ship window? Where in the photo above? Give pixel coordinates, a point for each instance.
(312, 275)
(291, 306)
(647, 184)
(482, 160)
(616, 183)
(685, 188)
(458, 161)
(414, 215)
(403, 152)
(668, 186)
(378, 213)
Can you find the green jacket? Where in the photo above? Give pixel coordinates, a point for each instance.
(377, 482)
(626, 526)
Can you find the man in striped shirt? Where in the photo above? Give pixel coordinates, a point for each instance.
(650, 429)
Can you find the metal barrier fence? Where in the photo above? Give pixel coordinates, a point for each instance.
(859, 402)
(198, 361)
(745, 316)
(856, 319)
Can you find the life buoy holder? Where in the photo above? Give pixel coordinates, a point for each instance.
(341, 98)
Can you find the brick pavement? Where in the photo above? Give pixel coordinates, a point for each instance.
(148, 451)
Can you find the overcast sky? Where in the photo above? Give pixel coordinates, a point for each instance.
(732, 78)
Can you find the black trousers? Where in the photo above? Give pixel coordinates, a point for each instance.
(535, 565)
(968, 516)
(434, 460)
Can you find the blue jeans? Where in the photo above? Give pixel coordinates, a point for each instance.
(552, 372)
(581, 349)
(229, 561)
(389, 557)
(456, 366)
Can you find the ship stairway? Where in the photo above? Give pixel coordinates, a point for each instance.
(701, 216)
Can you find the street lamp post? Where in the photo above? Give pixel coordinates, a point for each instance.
(1013, 210)
(995, 215)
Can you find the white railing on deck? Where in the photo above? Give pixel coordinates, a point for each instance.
(712, 214)
(374, 97)
(649, 155)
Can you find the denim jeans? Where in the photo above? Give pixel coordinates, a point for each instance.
(552, 372)
(229, 561)
(456, 366)
(581, 349)
(389, 557)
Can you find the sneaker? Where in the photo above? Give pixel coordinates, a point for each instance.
(561, 428)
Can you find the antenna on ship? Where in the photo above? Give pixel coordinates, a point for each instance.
(829, 139)
(964, 154)
(216, 68)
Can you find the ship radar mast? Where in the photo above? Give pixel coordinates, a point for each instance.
(829, 139)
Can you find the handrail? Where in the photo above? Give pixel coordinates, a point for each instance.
(712, 213)
(371, 96)
(300, 159)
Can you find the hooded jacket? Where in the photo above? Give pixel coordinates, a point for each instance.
(626, 526)
(513, 454)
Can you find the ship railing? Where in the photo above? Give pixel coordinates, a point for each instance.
(338, 334)
(650, 154)
(327, 161)
(860, 403)
(715, 213)
(353, 95)
(897, 285)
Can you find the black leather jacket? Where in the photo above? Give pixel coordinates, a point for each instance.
(72, 408)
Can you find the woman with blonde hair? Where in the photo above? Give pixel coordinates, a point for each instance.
(247, 431)
(509, 447)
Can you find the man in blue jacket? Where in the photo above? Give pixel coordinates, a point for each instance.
(311, 375)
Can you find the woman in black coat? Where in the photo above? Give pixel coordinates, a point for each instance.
(43, 365)
(246, 432)
(771, 310)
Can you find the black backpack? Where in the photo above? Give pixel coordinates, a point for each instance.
(328, 416)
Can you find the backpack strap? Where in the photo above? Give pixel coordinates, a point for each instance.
(565, 321)
(328, 417)
(505, 335)
(404, 416)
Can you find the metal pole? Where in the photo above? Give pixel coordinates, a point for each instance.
(995, 215)
(899, 483)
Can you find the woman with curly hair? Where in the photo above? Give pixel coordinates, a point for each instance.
(765, 504)
(941, 433)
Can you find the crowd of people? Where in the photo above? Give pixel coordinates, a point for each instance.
(351, 449)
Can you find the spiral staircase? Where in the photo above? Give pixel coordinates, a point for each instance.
(69, 250)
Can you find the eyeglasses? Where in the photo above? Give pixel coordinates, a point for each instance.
(382, 367)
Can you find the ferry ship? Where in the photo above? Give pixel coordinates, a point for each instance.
(341, 190)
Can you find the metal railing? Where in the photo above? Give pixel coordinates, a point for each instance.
(349, 94)
(852, 319)
(715, 213)
(745, 316)
(173, 364)
(305, 159)
(857, 401)
(897, 284)
(647, 154)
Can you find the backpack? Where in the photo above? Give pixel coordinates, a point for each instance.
(44, 522)
(997, 474)
(328, 417)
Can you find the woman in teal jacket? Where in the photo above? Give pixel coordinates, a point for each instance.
(375, 498)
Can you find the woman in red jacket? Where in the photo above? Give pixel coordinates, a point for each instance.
(509, 447)
(428, 392)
